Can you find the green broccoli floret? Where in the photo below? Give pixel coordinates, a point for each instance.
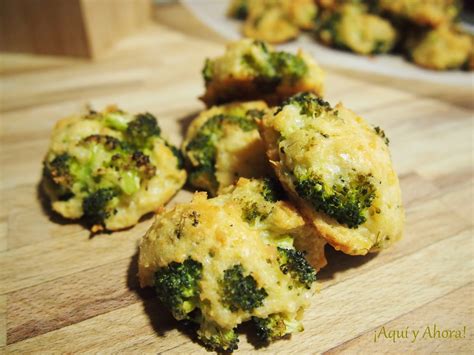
(239, 9)
(141, 129)
(272, 68)
(309, 104)
(345, 201)
(57, 172)
(203, 149)
(177, 286)
(122, 166)
(203, 177)
(294, 263)
(288, 65)
(216, 338)
(272, 190)
(207, 71)
(251, 212)
(115, 119)
(327, 24)
(261, 64)
(97, 206)
(240, 292)
(275, 326)
(177, 153)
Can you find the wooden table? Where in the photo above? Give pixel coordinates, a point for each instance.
(61, 290)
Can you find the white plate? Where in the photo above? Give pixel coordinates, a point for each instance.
(213, 14)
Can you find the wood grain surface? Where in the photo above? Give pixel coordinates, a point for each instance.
(62, 291)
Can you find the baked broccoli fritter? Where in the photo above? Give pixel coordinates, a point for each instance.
(338, 169)
(251, 70)
(211, 266)
(223, 144)
(274, 21)
(277, 21)
(431, 13)
(443, 48)
(110, 168)
(351, 27)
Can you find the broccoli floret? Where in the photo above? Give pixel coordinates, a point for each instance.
(293, 262)
(288, 65)
(216, 338)
(240, 292)
(115, 119)
(239, 9)
(143, 164)
(251, 212)
(261, 64)
(275, 326)
(272, 190)
(141, 129)
(345, 201)
(203, 177)
(274, 67)
(108, 142)
(247, 124)
(207, 71)
(122, 166)
(309, 104)
(380, 132)
(97, 207)
(177, 286)
(58, 173)
(327, 27)
(203, 149)
(177, 153)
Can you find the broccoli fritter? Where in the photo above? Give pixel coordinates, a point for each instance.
(212, 267)
(110, 168)
(223, 144)
(443, 48)
(351, 27)
(270, 21)
(431, 13)
(338, 169)
(274, 21)
(251, 70)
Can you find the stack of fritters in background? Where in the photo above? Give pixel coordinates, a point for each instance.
(426, 32)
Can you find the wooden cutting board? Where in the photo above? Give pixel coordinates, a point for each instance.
(62, 291)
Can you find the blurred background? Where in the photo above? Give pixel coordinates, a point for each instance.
(91, 29)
